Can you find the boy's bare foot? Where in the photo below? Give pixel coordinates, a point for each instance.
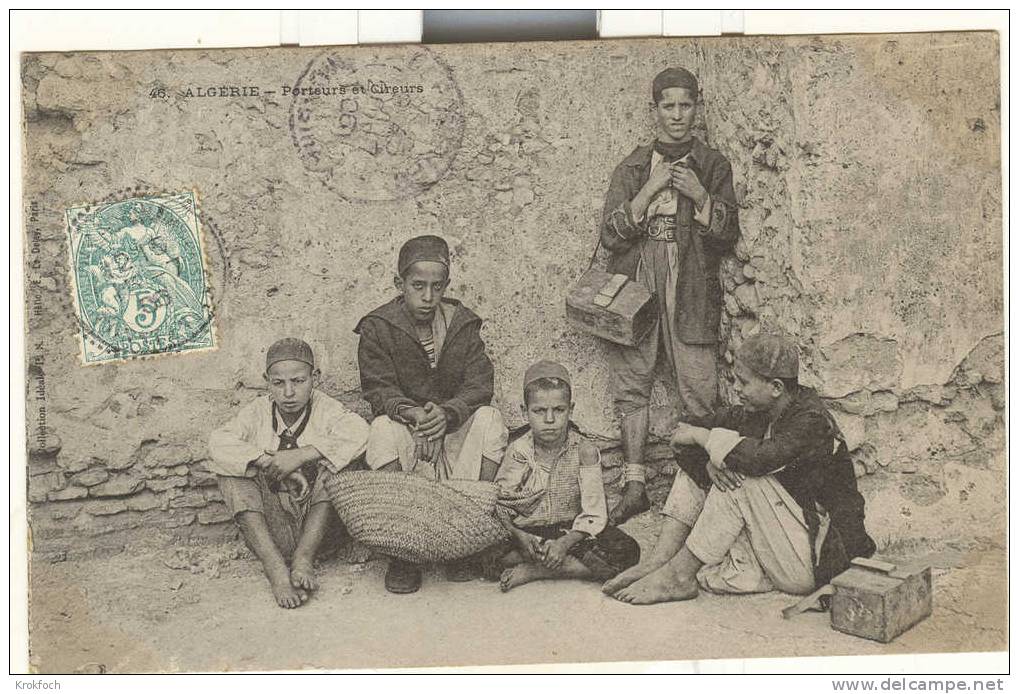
(634, 573)
(661, 585)
(634, 501)
(302, 574)
(521, 574)
(287, 595)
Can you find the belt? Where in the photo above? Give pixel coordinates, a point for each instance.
(661, 229)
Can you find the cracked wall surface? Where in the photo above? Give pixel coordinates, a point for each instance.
(867, 169)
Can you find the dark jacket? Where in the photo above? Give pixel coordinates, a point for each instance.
(807, 454)
(395, 370)
(698, 290)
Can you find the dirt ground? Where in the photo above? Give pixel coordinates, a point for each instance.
(195, 608)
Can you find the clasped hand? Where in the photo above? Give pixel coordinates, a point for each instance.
(278, 465)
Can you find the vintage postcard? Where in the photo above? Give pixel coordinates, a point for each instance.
(467, 355)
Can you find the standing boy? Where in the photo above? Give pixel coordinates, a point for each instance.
(670, 214)
(426, 375)
(771, 503)
(552, 500)
(286, 435)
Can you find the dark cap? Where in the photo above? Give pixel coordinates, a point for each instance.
(770, 356)
(433, 248)
(546, 369)
(673, 77)
(289, 349)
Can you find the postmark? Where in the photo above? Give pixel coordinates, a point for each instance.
(376, 125)
(139, 275)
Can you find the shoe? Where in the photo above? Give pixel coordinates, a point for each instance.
(634, 502)
(462, 570)
(402, 577)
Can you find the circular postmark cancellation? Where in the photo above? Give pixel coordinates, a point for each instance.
(141, 279)
(377, 125)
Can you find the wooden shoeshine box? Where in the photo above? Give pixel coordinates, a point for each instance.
(878, 599)
(626, 319)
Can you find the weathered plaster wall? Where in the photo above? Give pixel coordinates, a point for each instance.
(868, 172)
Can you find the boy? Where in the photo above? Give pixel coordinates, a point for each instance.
(425, 374)
(670, 214)
(552, 500)
(284, 438)
(775, 505)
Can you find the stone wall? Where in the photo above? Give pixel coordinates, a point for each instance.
(868, 172)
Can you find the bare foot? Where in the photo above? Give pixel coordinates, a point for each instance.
(660, 585)
(634, 573)
(287, 596)
(521, 574)
(302, 574)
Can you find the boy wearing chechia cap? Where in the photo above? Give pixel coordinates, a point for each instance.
(271, 459)
(766, 498)
(429, 382)
(670, 214)
(551, 495)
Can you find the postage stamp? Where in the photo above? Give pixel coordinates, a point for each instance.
(377, 125)
(139, 277)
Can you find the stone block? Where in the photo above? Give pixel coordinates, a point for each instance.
(44, 446)
(746, 297)
(161, 485)
(191, 499)
(41, 486)
(885, 401)
(106, 508)
(199, 477)
(120, 485)
(68, 493)
(167, 455)
(144, 501)
(90, 478)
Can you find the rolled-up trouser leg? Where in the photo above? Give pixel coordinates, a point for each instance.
(252, 494)
(751, 539)
(633, 371)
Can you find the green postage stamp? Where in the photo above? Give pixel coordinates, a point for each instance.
(139, 277)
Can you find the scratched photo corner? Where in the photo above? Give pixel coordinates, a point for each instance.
(514, 354)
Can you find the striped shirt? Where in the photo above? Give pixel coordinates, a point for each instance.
(429, 344)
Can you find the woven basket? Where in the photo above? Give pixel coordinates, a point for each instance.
(414, 518)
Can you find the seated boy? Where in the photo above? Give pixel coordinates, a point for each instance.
(275, 443)
(425, 374)
(552, 500)
(774, 506)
